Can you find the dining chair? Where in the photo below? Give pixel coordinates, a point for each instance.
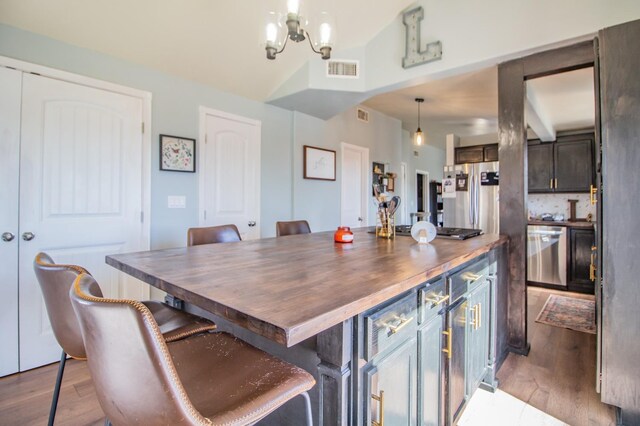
(207, 379)
(55, 282)
(212, 234)
(292, 228)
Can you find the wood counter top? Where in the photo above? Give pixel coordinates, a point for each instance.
(291, 288)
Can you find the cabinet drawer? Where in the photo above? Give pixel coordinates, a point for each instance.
(390, 325)
(432, 299)
(466, 278)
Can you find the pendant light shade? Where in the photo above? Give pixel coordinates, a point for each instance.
(418, 136)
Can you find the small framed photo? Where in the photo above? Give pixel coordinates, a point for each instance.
(177, 154)
(319, 163)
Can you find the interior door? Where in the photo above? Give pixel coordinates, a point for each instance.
(354, 186)
(10, 94)
(80, 194)
(230, 187)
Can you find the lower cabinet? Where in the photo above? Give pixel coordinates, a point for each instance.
(430, 373)
(581, 242)
(456, 358)
(478, 325)
(391, 386)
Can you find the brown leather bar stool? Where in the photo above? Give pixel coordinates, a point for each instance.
(55, 282)
(292, 228)
(207, 379)
(212, 234)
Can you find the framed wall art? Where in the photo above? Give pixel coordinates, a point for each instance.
(319, 163)
(177, 154)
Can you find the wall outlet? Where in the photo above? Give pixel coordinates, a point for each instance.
(176, 201)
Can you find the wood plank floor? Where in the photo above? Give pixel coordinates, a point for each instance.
(559, 375)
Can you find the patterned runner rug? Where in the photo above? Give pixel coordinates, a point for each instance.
(569, 312)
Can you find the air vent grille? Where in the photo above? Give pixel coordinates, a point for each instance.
(343, 69)
(363, 115)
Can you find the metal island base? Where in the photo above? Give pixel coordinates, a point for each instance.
(395, 333)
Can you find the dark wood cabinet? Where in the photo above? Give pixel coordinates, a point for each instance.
(476, 154)
(565, 165)
(540, 162)
(580, 243)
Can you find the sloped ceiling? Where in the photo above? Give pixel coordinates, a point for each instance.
(214, 42)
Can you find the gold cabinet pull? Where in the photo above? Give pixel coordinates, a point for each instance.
(555, 183)
(394, 328)
(550, 183)
(449, 336)
(479, 315)
(474, 322)
(380, 399)
(470, 276)
(437, 300)
(592, 195)
(592, 266)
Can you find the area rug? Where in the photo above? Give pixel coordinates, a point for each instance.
(569, 312)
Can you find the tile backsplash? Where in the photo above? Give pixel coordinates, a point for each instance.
(557, 203)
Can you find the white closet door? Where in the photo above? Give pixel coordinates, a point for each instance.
(80, 194)
(230, 168)
(10, 93)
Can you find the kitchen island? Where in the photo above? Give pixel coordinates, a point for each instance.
(337, 310)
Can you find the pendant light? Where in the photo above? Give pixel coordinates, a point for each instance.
(418, 136)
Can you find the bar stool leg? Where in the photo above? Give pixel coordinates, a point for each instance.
(307, 403)
(56, 390)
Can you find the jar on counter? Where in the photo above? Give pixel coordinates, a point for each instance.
(343, 235)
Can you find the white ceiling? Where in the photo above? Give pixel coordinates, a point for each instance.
(215, 42)
(467, 105)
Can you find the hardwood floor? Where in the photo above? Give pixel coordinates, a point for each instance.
(25, 398)
(559, 375)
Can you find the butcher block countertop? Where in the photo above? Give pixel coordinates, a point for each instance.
(291, 288)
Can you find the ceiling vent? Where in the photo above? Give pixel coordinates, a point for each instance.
(363, 115)
(343, 69)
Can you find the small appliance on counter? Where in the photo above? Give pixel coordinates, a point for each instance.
(452, 233)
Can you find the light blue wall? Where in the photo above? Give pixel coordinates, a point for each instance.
(285, 194)
(175, 112)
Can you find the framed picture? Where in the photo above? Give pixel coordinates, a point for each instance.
(377, 171)
(177, 154)
(462, 182)
(319, 163)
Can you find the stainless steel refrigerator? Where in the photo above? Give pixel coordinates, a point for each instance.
(475, 204)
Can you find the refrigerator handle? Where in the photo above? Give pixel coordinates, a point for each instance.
(471, 199)
(477, 204)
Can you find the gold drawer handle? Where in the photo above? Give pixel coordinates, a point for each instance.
(394, 328)
(592, 195)
(438, 300)
(449, 338)
(380, 399)
(470, 276)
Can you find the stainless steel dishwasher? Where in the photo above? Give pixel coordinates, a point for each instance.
(547, 254)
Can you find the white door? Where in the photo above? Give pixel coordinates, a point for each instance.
(10, 93)
(230, 172)
(80, 194)
(355, 187)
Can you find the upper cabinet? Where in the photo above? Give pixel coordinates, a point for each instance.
(476, 154)
(565, 165)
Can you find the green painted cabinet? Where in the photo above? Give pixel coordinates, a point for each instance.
(478, 325)
(391, 386)
(430, 373)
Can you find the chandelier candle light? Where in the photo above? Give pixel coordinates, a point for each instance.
(418, 136)
(277, 22)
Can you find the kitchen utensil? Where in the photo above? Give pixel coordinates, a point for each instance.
(393, 205)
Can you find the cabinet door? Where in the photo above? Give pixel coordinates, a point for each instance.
(471, 154)
(457, 329)
(430, 371)
(478, 336)
(580, 243)
(491, 152)
(574, 165)
(540, 165)
(391, 396)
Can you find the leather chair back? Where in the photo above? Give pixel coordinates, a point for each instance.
(292, 227)
(130, 364)
(55, 282)
(212, 234)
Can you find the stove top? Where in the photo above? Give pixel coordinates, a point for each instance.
(453, 233)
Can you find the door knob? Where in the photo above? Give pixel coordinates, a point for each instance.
(28, 236)
(252, 223)
(8, 236)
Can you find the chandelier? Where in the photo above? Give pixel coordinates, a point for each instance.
(281, 28)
